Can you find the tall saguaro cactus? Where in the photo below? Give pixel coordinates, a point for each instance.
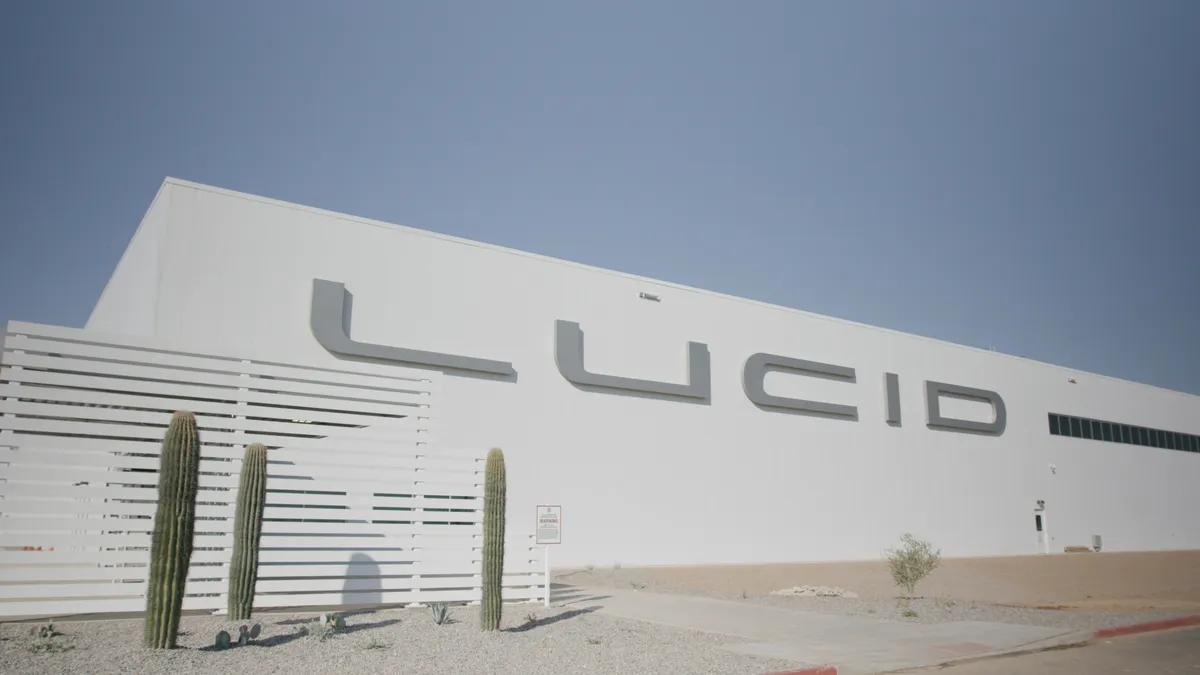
(174, 527)
(494, 492)
(247, 531)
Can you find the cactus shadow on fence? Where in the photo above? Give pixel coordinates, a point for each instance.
(363, 585)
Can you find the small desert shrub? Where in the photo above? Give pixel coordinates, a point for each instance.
(531, 620)
(593, 641)
(39, 645)
(326, 627)
(374, 643)
(910, 614)
(42, 639)
(440, 612)
(912, 562)
(45, 631)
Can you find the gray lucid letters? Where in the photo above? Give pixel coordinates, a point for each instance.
(568, 355)
(329, 325)
(891, 385)
(933, 397)
(760, 364)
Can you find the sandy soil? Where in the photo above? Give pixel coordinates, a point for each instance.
(1153, 581)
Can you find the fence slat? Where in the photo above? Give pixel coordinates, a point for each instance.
(378, 379)
(227, 395)
(205, 422)
(151, 447)
(84, 397)
(22, 330)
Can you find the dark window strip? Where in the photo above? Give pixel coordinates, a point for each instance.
(1115, 432)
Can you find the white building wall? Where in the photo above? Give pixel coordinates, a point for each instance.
(129, 300)
(648, 481)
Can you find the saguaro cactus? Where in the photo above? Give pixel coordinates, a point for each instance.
(174, 527)
(247, 531)
(493, 539)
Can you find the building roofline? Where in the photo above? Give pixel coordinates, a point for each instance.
(638, 278)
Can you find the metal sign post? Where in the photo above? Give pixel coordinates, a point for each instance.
(549, 533)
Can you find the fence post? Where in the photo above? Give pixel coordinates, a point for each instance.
(242, 404)
(9, 373)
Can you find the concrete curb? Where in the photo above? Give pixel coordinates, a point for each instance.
(1065, 641)
(1133, 629)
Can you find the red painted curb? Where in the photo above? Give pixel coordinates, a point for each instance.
(1133, 629)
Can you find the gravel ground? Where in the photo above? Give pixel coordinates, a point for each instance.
(919, 610)
(566, 640)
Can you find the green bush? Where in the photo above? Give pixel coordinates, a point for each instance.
(912, 562)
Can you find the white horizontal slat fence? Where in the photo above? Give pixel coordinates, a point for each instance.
(363, 506)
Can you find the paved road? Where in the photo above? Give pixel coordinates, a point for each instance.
(1168, 653)
(857, 645)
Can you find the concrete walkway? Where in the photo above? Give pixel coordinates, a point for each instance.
(856, 645)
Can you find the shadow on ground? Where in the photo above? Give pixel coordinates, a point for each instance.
(552, 620)
(355, 627)
(273, 641)
(346, 614)
(570, 595)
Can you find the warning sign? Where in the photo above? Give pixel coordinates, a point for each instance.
(549, 524)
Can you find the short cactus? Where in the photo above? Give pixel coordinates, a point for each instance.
(174, 528)
(245, 635)
(333, 621)
(494, 493)
(247, 531)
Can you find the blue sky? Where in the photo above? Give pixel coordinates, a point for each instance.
(1019, 174)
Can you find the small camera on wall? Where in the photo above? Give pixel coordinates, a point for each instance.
(1041, 503)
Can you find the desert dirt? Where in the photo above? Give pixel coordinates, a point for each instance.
(1102, 582)
(556, 641)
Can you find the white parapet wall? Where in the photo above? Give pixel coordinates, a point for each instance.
(364, 506)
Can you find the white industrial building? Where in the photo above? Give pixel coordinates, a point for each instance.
(673, 425)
